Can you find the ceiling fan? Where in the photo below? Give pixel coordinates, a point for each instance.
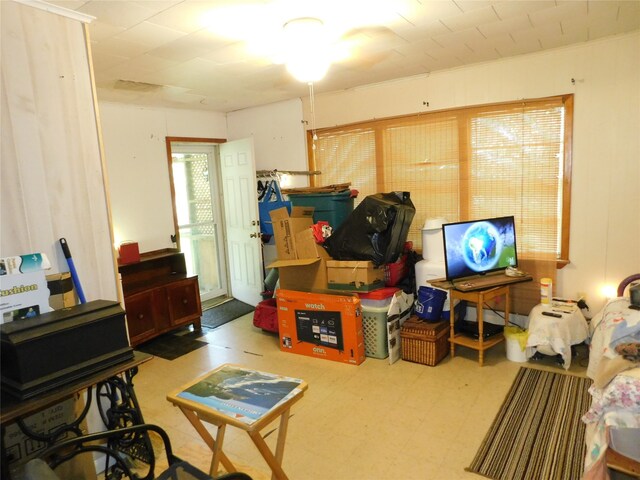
(309, 36)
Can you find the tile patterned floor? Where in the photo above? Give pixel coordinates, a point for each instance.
(373, 421)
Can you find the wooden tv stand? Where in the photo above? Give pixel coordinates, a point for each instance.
(472, 291)
(159, 296)
(479, 297)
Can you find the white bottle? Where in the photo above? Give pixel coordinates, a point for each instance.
(546, 291)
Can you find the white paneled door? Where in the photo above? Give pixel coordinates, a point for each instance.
(244, 247)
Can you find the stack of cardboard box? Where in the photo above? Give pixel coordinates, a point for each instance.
(312, 320)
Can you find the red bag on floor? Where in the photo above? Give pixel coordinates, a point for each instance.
(265, 315)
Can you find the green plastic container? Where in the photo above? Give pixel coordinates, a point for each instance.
(330, 207)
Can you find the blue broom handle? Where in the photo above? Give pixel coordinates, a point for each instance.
(72, 270)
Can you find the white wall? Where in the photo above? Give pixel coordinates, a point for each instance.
(605, 223)
(51, 170)
(278, 136)
(605, 220)
(138, 169)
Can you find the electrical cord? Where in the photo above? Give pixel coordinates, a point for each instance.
(502, 316)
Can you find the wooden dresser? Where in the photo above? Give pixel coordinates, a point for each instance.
(159, 296)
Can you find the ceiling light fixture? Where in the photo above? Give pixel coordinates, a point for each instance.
(306, 46)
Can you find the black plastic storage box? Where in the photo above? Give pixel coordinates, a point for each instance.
(56, 348)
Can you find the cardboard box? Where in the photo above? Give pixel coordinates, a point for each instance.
(301, 261)
(285, 228)
(321, 325)
(23, 287)
(19, 447)
(61, 292)
(354, 276)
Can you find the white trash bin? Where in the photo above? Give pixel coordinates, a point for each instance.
(515, 352)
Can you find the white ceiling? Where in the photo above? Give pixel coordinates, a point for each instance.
(157, 52)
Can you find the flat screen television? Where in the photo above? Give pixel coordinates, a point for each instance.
(476, 247)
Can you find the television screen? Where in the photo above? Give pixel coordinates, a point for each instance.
(320, 328)
(479, 246)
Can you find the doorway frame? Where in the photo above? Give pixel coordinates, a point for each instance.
(169, 149)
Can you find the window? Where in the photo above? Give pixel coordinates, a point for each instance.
(475, 162)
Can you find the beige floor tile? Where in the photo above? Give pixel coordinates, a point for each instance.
(374, 421)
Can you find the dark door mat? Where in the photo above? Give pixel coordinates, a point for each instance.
(224, 313)
(171, 346)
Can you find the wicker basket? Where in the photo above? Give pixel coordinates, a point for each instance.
(424, 342)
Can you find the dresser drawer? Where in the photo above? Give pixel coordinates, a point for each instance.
(140, 318)
(184, 301)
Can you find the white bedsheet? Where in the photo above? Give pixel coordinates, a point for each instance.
(616, 323)
(616, 406)
(557, 333)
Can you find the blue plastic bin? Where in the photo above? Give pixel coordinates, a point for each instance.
(329, 207)
(430, 303)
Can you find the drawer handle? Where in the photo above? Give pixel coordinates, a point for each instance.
(185, 301)
(140, 316)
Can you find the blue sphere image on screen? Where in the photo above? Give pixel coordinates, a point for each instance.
(481, 246)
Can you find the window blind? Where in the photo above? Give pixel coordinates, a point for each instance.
(348, 154)
(474, 162)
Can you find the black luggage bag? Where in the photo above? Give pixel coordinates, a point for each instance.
(376, 230)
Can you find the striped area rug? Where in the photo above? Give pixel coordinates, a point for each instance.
(537, 433)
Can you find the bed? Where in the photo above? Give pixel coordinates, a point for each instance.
(613, 420)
